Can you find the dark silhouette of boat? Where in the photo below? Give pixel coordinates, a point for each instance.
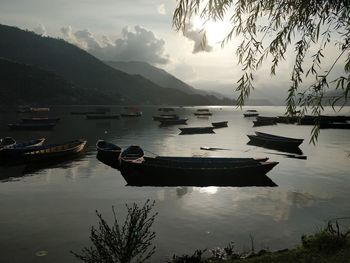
(108, 153)
(11, 152)
(87, 112)
(101, 117)
(132, 114)
(271, 139)
(250, 113)
(168, 122)
(31, 126)
(40, 120)
(165, 109)
(220, 124)
(263, 121)
(197, 130)
(203, 110)
(335, 125)
(203, 114)
(165, 117)
(139, 170)
(7, 141)
(16, 145)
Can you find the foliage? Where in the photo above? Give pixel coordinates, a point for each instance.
(269, 29)
(131, 242)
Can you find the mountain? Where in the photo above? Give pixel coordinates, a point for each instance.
(86, 72)
(24, 84)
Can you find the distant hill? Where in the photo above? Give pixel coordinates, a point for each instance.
(24, 84)
(87, 72)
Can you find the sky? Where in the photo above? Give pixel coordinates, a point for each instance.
(141, 30)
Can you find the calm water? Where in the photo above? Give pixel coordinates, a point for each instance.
(52, 209)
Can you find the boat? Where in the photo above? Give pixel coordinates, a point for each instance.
(250, 113)
(23, 109)
(203, 113)
(39, 109)
(31, 126)
(263, 121)
(165, 109)
(7, 141)
(86, 112)
(202, 110)
(108, 153)
(335, 125)
(274, 140)
(16, 149)
(132, 114)
(197, 130)
(220, 124)
(139, 170)
(101, 116)
(53, 151)
(165, 122)
(165, 117)
(40, 120)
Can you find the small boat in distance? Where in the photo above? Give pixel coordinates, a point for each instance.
(101, 116)
(197, 130)
(203, 113)
(31, 126)
(39, 109)
(86, 112)
(167, 122)
(202, 110)
(165, 117)
(40, 120)
(251, 113)
(220, 124)
(165, 109)
(131, 114)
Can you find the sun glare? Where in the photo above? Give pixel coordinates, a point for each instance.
(216, 31)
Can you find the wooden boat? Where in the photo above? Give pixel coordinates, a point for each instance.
(165, 109)
(132, 114)
(7, 141)
(17, 149)
(41, 109)
(202, 110)
(54, 151)
(166, 117)
(335, 125)
(203, 113)
(40, 120)
(86, 112)
(263, 121)
(31, 126)
(219, 124)
(269, 139)
(101, 117)
(165, 122)
(139, 170)
(197, 130)
(277, 147)
(251, 113)
(108, 153)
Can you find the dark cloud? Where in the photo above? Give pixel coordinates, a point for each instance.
(137, 45)
(198, 37)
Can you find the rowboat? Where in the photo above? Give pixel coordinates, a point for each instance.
(101, 117)
(86, 112)
(7, 141)
(263, 121)
(132, 114)
(165, 117)
(197, 130)
(17, 149)
(165, 122)
(219, 124)
(108, 153)
(165, 109)
(190, 171)
(41, 109)
(203, 110)
(274, 140)
(53, 151)
(335, 125)
(31, 126)
(251, 113)
(203, 113)
(40, 120)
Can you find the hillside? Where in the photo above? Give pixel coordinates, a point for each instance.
(24, 84)
(87, 72)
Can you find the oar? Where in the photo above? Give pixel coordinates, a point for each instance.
(296, 156)
(214, 149)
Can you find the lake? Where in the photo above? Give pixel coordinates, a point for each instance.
(52, 209)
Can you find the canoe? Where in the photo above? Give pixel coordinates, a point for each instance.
(189, 171)
(263, 121)
(14, 150)
(108, 153)
(165, 109)
(335, 125)
(220, 124)
(197, 130)
(31, 126)
(37, 109)
(251, 113)
(101, 117)
(203, 110)
(54, 151)
(165, 122)
(166, 117)
(275, 137)
(40, 120)
(255, 139)
(132, 114)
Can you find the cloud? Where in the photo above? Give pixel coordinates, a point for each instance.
(137, 45)
(197, 36)
(40, 30)
(161, 9)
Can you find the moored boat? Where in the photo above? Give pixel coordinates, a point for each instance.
(19, 148)
(220, 124)
(7, 141)
(132, 114)
(87, 112)
(101, 116)
(108, 153)
(165, 117)
(31, 126)
(274, 140)
(172, 121)
(251, 113)
(139, 170)
(204, 113)
(40, 120)
(39, 109)
(197, 130)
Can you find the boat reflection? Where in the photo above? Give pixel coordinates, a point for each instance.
(294, 150)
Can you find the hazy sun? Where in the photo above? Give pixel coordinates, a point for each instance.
(215, 31)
